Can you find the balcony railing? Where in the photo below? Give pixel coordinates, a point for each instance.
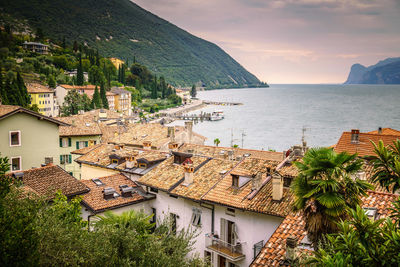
(232, 252)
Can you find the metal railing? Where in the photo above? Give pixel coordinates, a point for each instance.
(224, 247)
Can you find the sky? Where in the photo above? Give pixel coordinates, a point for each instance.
(291, 41)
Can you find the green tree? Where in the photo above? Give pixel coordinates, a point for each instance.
(23, 92)
(193, 91)
(163, 87)
(360, 242)
(386, 162)
(51, 82)
(103, 96)
(154, 93)
(216, 142)
(325, 189)
(79, 74)
(73, 102)
(96, 100)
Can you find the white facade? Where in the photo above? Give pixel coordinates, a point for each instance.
(251, 227)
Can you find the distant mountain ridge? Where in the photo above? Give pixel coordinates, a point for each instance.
(120, 28)
(384, 72)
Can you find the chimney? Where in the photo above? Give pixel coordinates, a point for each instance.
(171, 133)
(48, 160)
(291, 244)
(231, 154)
(94, 118)
(73, 123)
(126, 191)
(130, 162)
(277, 187)
(189, 128)
(108, 193)
(355, 139)
(256, 181)
(147, 145)
(189, 172)
(380, 130)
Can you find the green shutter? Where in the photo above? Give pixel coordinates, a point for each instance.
(60, 142)
(94, 142)
(60, 159)
(86, 143)
(69, 142)
(77, 145)
(70, 158)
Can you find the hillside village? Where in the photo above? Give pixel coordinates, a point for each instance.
(238, 199)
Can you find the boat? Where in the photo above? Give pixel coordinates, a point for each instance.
(217, 115)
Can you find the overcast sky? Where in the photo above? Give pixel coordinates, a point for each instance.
(291, 41)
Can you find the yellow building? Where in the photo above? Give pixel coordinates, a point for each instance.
(44, 98)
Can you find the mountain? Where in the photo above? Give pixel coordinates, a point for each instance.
(120, 28)
(384, 72)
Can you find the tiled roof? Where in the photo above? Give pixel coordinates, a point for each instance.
(167, 173)
(117, 91)
(204, 179)
(139, 133)
(386, 131)
(364, 147)
(222, 152)
(95, 198)
(274, 250)
(8, 110)
(35, 88)
(77, 87)
(288, 170)
(100, 155)
(45, 181)
(85, 150)
(81, 125)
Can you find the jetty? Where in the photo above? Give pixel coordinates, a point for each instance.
(222, 103)
(193, 117)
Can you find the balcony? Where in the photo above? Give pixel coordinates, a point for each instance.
(223, 248)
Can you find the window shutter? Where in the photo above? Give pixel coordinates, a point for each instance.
(222, 235)
(69, 142)
(94, 142)
(77, 145)
(60, 142)
(235, 234)
(70, 158)
(86, 143)
(61, 159)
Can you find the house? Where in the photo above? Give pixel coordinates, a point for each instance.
(233, 204)
(291, 233)
(62, 90)
(27, 138)
(80, 133)
(159, 137)
(106, 159)
(46, 181)
(122, 100)
(360, 143)
(36, 47)
(114, 193)
(44, 98)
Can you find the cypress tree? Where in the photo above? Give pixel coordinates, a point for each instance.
(163, 86)
(75, 46)
(119, 73)
(123, 74)
(3, 93)
(154, 89)
(103, 95)
(193, 91)
(23, 92)
(79, 74)
(96, 101)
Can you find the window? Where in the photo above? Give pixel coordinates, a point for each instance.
(154, 190)
(208, 257)
(65, 159)
(196, 217)
(98, 182)
(173, 222)
(154, 218)
(15, 138)
(229, 231)
(65, 142)
(81, 144)
(230, 211)
(287, 181)
(16, 164)
(114, 161)
(142, 165)
(235, 181)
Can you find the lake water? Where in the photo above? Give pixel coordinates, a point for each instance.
(273, 118)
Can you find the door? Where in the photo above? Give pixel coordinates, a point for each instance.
(221, 261)
(230, 232)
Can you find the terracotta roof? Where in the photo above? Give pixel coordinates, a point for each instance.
(288, 170)
(77, 87)
(100, 156)
(364, 147)
(222, 152)
(261, 201)
(81, 125)
(8, 110)
(386, 131)
(95, 201)
(274, 250)
(45, 181)
(85, 150)
(35, 88)
(167, 173)
(204, 179)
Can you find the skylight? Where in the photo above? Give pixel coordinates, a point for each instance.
(98, 182)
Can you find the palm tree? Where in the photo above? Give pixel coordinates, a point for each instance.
(387, 165)
(325, 189)
(129, 220)
(216, 142)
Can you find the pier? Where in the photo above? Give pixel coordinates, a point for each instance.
(193, 117)
(222, 103)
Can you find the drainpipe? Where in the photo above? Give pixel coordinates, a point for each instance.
(88, 220)
(212, 216)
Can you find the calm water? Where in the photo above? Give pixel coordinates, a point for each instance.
(273, 118)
